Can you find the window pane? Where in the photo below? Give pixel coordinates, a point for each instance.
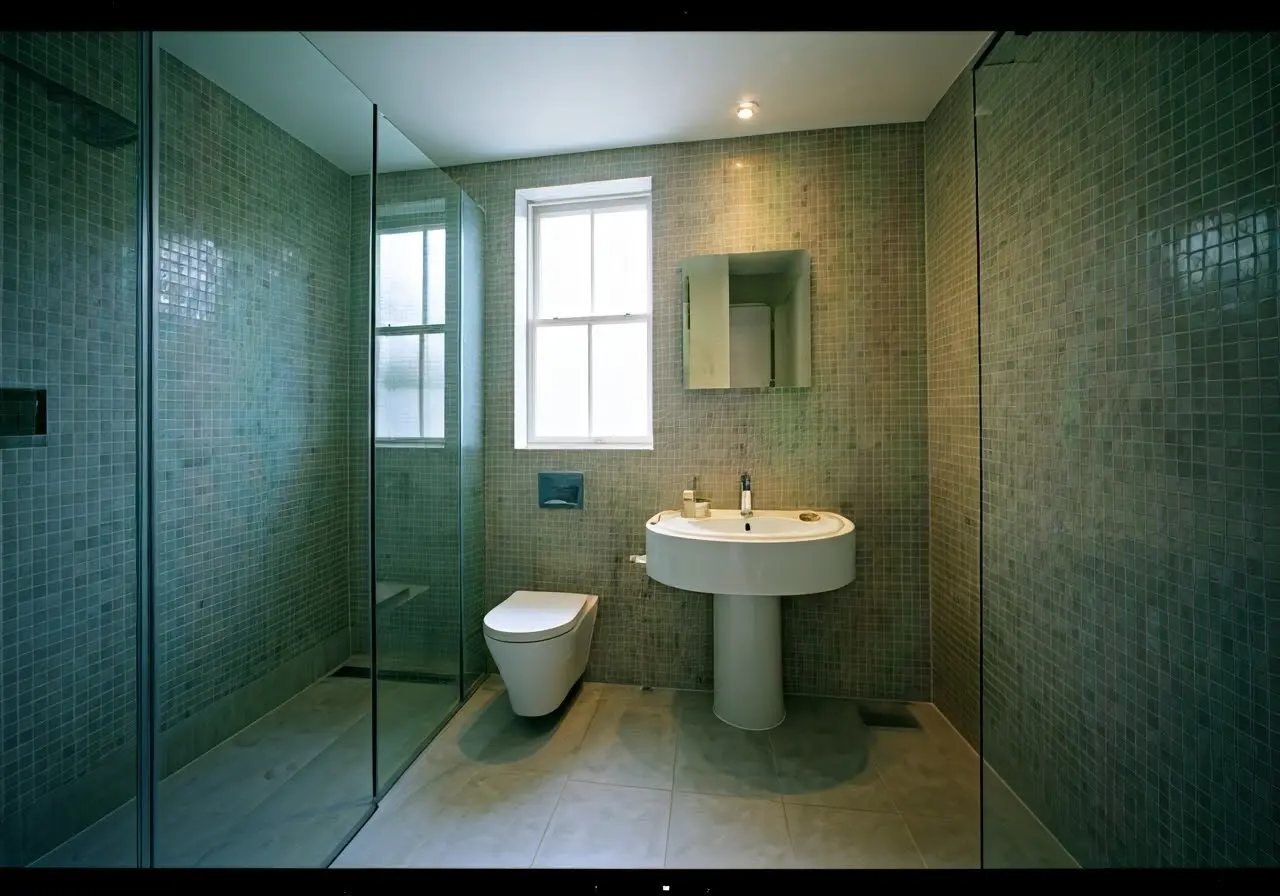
(563, 243)
(619, 379)
(622, 264)
(435, 275)
(397, 388)
(433, 386)
(560, 382)
(400, 279)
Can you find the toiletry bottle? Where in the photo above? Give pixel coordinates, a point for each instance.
(689, 509)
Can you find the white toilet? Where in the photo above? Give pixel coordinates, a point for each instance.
(540, 641)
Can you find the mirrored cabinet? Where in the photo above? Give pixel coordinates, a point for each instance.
(746, 320)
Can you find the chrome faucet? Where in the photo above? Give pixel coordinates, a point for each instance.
(745, 506)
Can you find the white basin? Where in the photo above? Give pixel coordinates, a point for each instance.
(772, 552)
(749, 564)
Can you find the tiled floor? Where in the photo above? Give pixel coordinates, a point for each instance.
(628, 778)
(283, 792)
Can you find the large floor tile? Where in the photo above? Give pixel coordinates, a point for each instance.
(1012, 836)
(727, 832)
(712, 757)
(628, 743)
(926, 777)
(407, 815)
(606, 826)
(496, 819)
(408, 714)
(947, 842)
(339, 776)
(306, 842)
(206, 806)
(110, 842)
(822, 837)
(822, 757)
(487, 731)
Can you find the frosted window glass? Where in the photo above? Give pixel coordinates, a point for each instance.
(400, 279)
(433, 386)
(621, 261)
(564, 265)
(560, 377)
(397, 388)
(619, 380)
(435, 275)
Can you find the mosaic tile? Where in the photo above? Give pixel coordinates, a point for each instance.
(954, 485)
(68, 268)
(1131, 441)
(251, 396)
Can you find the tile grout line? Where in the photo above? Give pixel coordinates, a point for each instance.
(912, 837)
(875, 767)
(777, 779)
(671, 804)
(542, 839)
(565, 783)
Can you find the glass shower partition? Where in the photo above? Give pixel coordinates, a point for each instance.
(1129, 246)
(427, 482)
(264, 753)
(471, 510)
(229, 615)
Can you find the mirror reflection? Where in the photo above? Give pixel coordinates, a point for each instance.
(746, 320)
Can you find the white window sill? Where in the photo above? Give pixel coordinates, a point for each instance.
(585, 446)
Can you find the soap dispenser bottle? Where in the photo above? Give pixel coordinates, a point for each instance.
(688, 506)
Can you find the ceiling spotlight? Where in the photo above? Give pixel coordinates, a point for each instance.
(748, 109)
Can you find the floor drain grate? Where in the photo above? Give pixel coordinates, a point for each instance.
(887, 715)
(393, 675)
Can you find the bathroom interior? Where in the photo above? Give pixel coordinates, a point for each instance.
(772, 450)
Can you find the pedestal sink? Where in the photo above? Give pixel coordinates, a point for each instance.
(750, 564)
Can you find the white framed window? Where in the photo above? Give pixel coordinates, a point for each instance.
(409, 344)
(584, 340)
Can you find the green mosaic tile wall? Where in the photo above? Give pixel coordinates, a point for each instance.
(419, 492)
(955, 534)
(854, 443)
(1131, 441)
(251, 413)
(68, 268)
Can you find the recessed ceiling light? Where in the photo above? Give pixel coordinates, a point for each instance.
(748, 109)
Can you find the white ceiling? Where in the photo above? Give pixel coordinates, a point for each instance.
(285, 79)
(480, 96)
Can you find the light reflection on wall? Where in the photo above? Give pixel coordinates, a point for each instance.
(192, 272)
(1226, 248)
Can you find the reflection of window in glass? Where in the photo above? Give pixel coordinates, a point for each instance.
(409, 362)
(1224, 249)
(590, 303)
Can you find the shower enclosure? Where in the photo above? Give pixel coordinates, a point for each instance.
(239, 595)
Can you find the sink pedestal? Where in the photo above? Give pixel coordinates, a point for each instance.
(750, 565)
(748, 661)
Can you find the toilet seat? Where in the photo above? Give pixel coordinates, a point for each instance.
(528, 616)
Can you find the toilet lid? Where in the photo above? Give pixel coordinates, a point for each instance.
(535, 615)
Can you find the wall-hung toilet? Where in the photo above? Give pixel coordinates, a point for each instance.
(540, 641)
